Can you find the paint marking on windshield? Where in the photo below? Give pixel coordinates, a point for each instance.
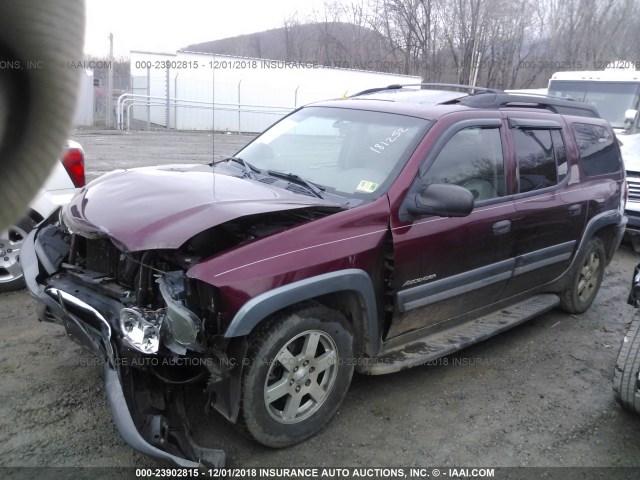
(381, 145)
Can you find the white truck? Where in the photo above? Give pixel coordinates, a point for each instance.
(615, 92)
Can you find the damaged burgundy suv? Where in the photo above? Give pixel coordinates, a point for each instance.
(373, 233)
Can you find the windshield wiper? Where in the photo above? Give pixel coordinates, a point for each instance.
(249, 170)
(317, 191)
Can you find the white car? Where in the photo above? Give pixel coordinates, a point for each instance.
(66, 177)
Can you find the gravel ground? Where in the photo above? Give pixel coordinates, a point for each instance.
(107, 150)
(538, 395)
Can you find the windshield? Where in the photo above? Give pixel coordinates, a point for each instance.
(352, 153)
(611, 99)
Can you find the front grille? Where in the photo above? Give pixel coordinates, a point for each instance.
(101, 256)
(633, 180)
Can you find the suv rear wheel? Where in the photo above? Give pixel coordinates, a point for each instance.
(626, 384)
(586, 278)
(297, 375)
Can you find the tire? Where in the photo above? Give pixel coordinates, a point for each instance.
(11, 240)
(626, 386)
(586, 278)
(306, 397)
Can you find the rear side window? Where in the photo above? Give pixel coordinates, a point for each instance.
(541, 157)
(598, 153)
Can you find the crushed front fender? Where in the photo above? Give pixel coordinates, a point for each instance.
(89, 320)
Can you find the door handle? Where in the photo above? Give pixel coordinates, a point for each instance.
(575, 210)
(502, 227)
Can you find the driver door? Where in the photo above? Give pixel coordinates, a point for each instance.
(445, 267)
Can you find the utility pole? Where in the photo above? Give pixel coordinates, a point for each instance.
(110, 84)
(148, 99)
(168, 100)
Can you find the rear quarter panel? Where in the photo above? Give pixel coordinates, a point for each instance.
(604, 192)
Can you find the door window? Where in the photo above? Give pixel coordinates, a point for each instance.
(473, 159)
(541, 158)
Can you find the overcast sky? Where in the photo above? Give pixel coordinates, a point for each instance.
(168, 25)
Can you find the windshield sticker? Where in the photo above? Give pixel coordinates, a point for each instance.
(368, 187)
(381, 145)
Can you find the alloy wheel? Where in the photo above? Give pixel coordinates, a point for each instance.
(301, 377)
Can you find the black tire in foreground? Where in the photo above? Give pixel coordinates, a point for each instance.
(298, 372)
(11, 240)
(586, 278)
(626, 385)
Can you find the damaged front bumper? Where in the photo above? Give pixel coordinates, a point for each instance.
(90, 319)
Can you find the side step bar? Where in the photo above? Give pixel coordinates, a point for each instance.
(461, 336)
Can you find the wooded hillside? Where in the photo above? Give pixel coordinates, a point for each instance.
(499, 43)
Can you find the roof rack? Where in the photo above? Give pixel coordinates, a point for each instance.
(429, 86)
(481, 97)
(554, 104)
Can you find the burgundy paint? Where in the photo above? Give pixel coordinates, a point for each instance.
(163, 207)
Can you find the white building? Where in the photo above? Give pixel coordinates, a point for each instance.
(248, 94)
(84, 112)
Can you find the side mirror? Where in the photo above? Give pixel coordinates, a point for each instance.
(630, 118)
(443, 200)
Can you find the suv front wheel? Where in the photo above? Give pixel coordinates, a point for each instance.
(297, 373)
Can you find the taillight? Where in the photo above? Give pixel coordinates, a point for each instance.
(73, 162)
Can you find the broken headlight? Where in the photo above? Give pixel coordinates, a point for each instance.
(176, 326)
(141, 329)
(181, 325)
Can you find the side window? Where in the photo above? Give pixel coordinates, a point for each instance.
(473, 159)
(541, 157)
(597, 150)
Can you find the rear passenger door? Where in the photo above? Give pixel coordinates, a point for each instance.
(550, 203)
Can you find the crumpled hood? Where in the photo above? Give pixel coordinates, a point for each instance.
(163, 207)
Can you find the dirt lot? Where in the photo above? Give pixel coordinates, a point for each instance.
(539, 395)
(107, 150)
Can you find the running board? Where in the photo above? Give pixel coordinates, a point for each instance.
(456, 338)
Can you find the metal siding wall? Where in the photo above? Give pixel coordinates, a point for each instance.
(266, 92)
(84, 113)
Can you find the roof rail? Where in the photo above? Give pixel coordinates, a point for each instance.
(429, 86)
(554, 104)
(481, 97)
(376, 89)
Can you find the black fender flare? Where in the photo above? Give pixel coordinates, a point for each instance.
(355, 280)
(604, 219)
